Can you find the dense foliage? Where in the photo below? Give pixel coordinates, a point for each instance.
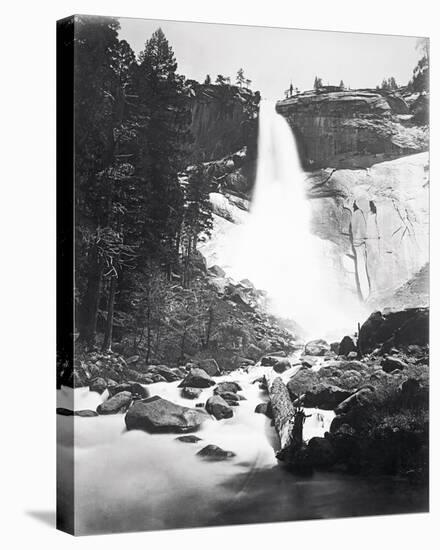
(137, 221)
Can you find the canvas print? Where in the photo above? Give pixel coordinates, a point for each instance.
(243, 274)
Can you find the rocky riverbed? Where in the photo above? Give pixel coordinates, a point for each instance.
(174, 436)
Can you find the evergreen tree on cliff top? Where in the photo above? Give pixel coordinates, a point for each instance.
(164, 132)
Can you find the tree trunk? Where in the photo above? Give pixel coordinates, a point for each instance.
(90, 301)
(107, 344)
(283, 412)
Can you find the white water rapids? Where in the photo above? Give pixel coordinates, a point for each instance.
(128, 480)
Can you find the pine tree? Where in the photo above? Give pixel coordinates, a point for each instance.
(341, 85)
(240, 78)
(207, 80)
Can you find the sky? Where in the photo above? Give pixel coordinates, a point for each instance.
(274, 57)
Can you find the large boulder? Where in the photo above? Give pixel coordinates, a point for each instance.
(218, 407)
(347, 345)
(118, 403)
(155, 415)
(325, 396)
(170, 375)
(98, 384)
(361, 398)
(264, 408)
(197, 378)
(303, 380)
(317, 347)
(390, 364)
(398, 329)
(210, 366)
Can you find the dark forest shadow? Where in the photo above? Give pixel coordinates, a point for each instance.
(48, 517)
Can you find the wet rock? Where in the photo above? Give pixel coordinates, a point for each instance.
(86, 413)
(264, 408)
(308, 361)
(347, 345)
(361, 398)
(157, 415)
(214, 453)
(218, 407)
(210, 366)
(99, 385)
(133, 359)
(317, 347)
(325, 396)
(227, 387)
(188, 439)
(390, 364)
(334, 347)
(118, 403)
(281, 365)
(135, 388)
(352, 355)
(64, 412)
(191, 393)
(303, 380)
(156, 377)
(143, 378)
(169, 375)
(197, 378)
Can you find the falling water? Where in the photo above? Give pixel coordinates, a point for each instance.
(278, 251)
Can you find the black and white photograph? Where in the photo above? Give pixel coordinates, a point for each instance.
(243, 274)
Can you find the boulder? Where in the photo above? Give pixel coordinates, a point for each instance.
(334, 347)
(390, 364)
(197, 378)
(155, 415)
(308, 361)
(118, 403)
(325, 396)
(98, 384)
(227, 387)
(214, 453)
(170, 375)
(135, 388)
(347, 345)
(86, 413)
(361, 398)
(210, 366)
(396, 329)
(216, 271)
(264, 408)
(317, 347)
(303, 380)
(191, 393)
(133, 359)
(281, 365)
(188, 439)
(218, 407)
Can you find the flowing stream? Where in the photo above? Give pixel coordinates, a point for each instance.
(132, 480)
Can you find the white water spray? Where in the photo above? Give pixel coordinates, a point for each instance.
(278, 252)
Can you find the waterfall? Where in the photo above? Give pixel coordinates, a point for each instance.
(278, 251)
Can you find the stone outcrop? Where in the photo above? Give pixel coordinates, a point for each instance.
(353, 128)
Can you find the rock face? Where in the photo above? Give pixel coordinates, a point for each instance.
(375, 226)
(160, 415)
(351, 129)
(222, 120)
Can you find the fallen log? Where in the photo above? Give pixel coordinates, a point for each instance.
(288, 420)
